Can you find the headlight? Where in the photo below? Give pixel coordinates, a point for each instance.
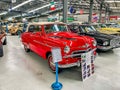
(105, 43)
(67, 49)
(94, 43)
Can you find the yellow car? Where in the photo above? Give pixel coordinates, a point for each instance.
(107, 30)
(9, 27)
(16, 29)
(104, 27)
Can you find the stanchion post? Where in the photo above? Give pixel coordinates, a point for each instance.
(56, 85)
(6, 28)
(56, 54)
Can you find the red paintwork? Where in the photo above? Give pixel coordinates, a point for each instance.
(41, 43)
(1, 36)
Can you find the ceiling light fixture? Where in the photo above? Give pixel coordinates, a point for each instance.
(115, 7)
(17, 6)
(112, 1)
(39, 8)
(3, 13)
(22, 4)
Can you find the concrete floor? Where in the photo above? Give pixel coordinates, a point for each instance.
(28, 71)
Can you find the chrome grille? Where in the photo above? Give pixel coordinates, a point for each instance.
(115, 42)
(77, 54)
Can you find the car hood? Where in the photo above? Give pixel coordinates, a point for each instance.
(102, 36)
(111, 29)
(72, 39)
(109, 32)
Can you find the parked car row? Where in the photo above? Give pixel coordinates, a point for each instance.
(14, 28)
(108, 28)
(74, 40)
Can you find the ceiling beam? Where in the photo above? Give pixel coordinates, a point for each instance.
(5, 1)
(19, 5)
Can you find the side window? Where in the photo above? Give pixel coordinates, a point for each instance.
(37, 28)
(34, 28)
(82, 29)
(48, 28)
(31, 28)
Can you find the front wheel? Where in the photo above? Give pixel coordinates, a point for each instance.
(26, 49)
(52, 64)
(1, 51)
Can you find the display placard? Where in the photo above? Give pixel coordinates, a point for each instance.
(56, 54)
(87, 65)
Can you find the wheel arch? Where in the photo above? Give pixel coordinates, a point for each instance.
(47, 54)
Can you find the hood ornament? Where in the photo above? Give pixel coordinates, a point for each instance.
(85, 46)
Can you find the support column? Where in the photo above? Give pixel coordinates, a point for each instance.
(90, 11)
(100, 13)
(106, 10)
(109, 14)
(65, 8)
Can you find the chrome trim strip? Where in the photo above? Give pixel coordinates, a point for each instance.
(73, 55)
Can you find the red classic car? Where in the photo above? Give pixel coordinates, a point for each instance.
(41, 37)
(3, 41)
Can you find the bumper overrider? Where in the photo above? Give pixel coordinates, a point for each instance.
(104, 48)
(114, 43)
(75, 63)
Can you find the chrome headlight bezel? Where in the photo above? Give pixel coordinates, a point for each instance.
(94, 43)
(105, 43)
(66, 49)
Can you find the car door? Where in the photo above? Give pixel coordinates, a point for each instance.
(37, 40)
(26, 37)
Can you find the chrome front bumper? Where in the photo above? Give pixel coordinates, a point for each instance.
(73, 64)
(70, 65)
(104, 48)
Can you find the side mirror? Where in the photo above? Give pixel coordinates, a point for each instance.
(31, 30)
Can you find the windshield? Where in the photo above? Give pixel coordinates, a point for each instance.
(115, 25)
(103, 26)
(55, 28)
(89, 28)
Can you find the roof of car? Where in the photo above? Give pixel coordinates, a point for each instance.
(42, 23)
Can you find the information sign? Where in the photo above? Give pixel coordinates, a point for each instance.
(56, 54)
(87, 65)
